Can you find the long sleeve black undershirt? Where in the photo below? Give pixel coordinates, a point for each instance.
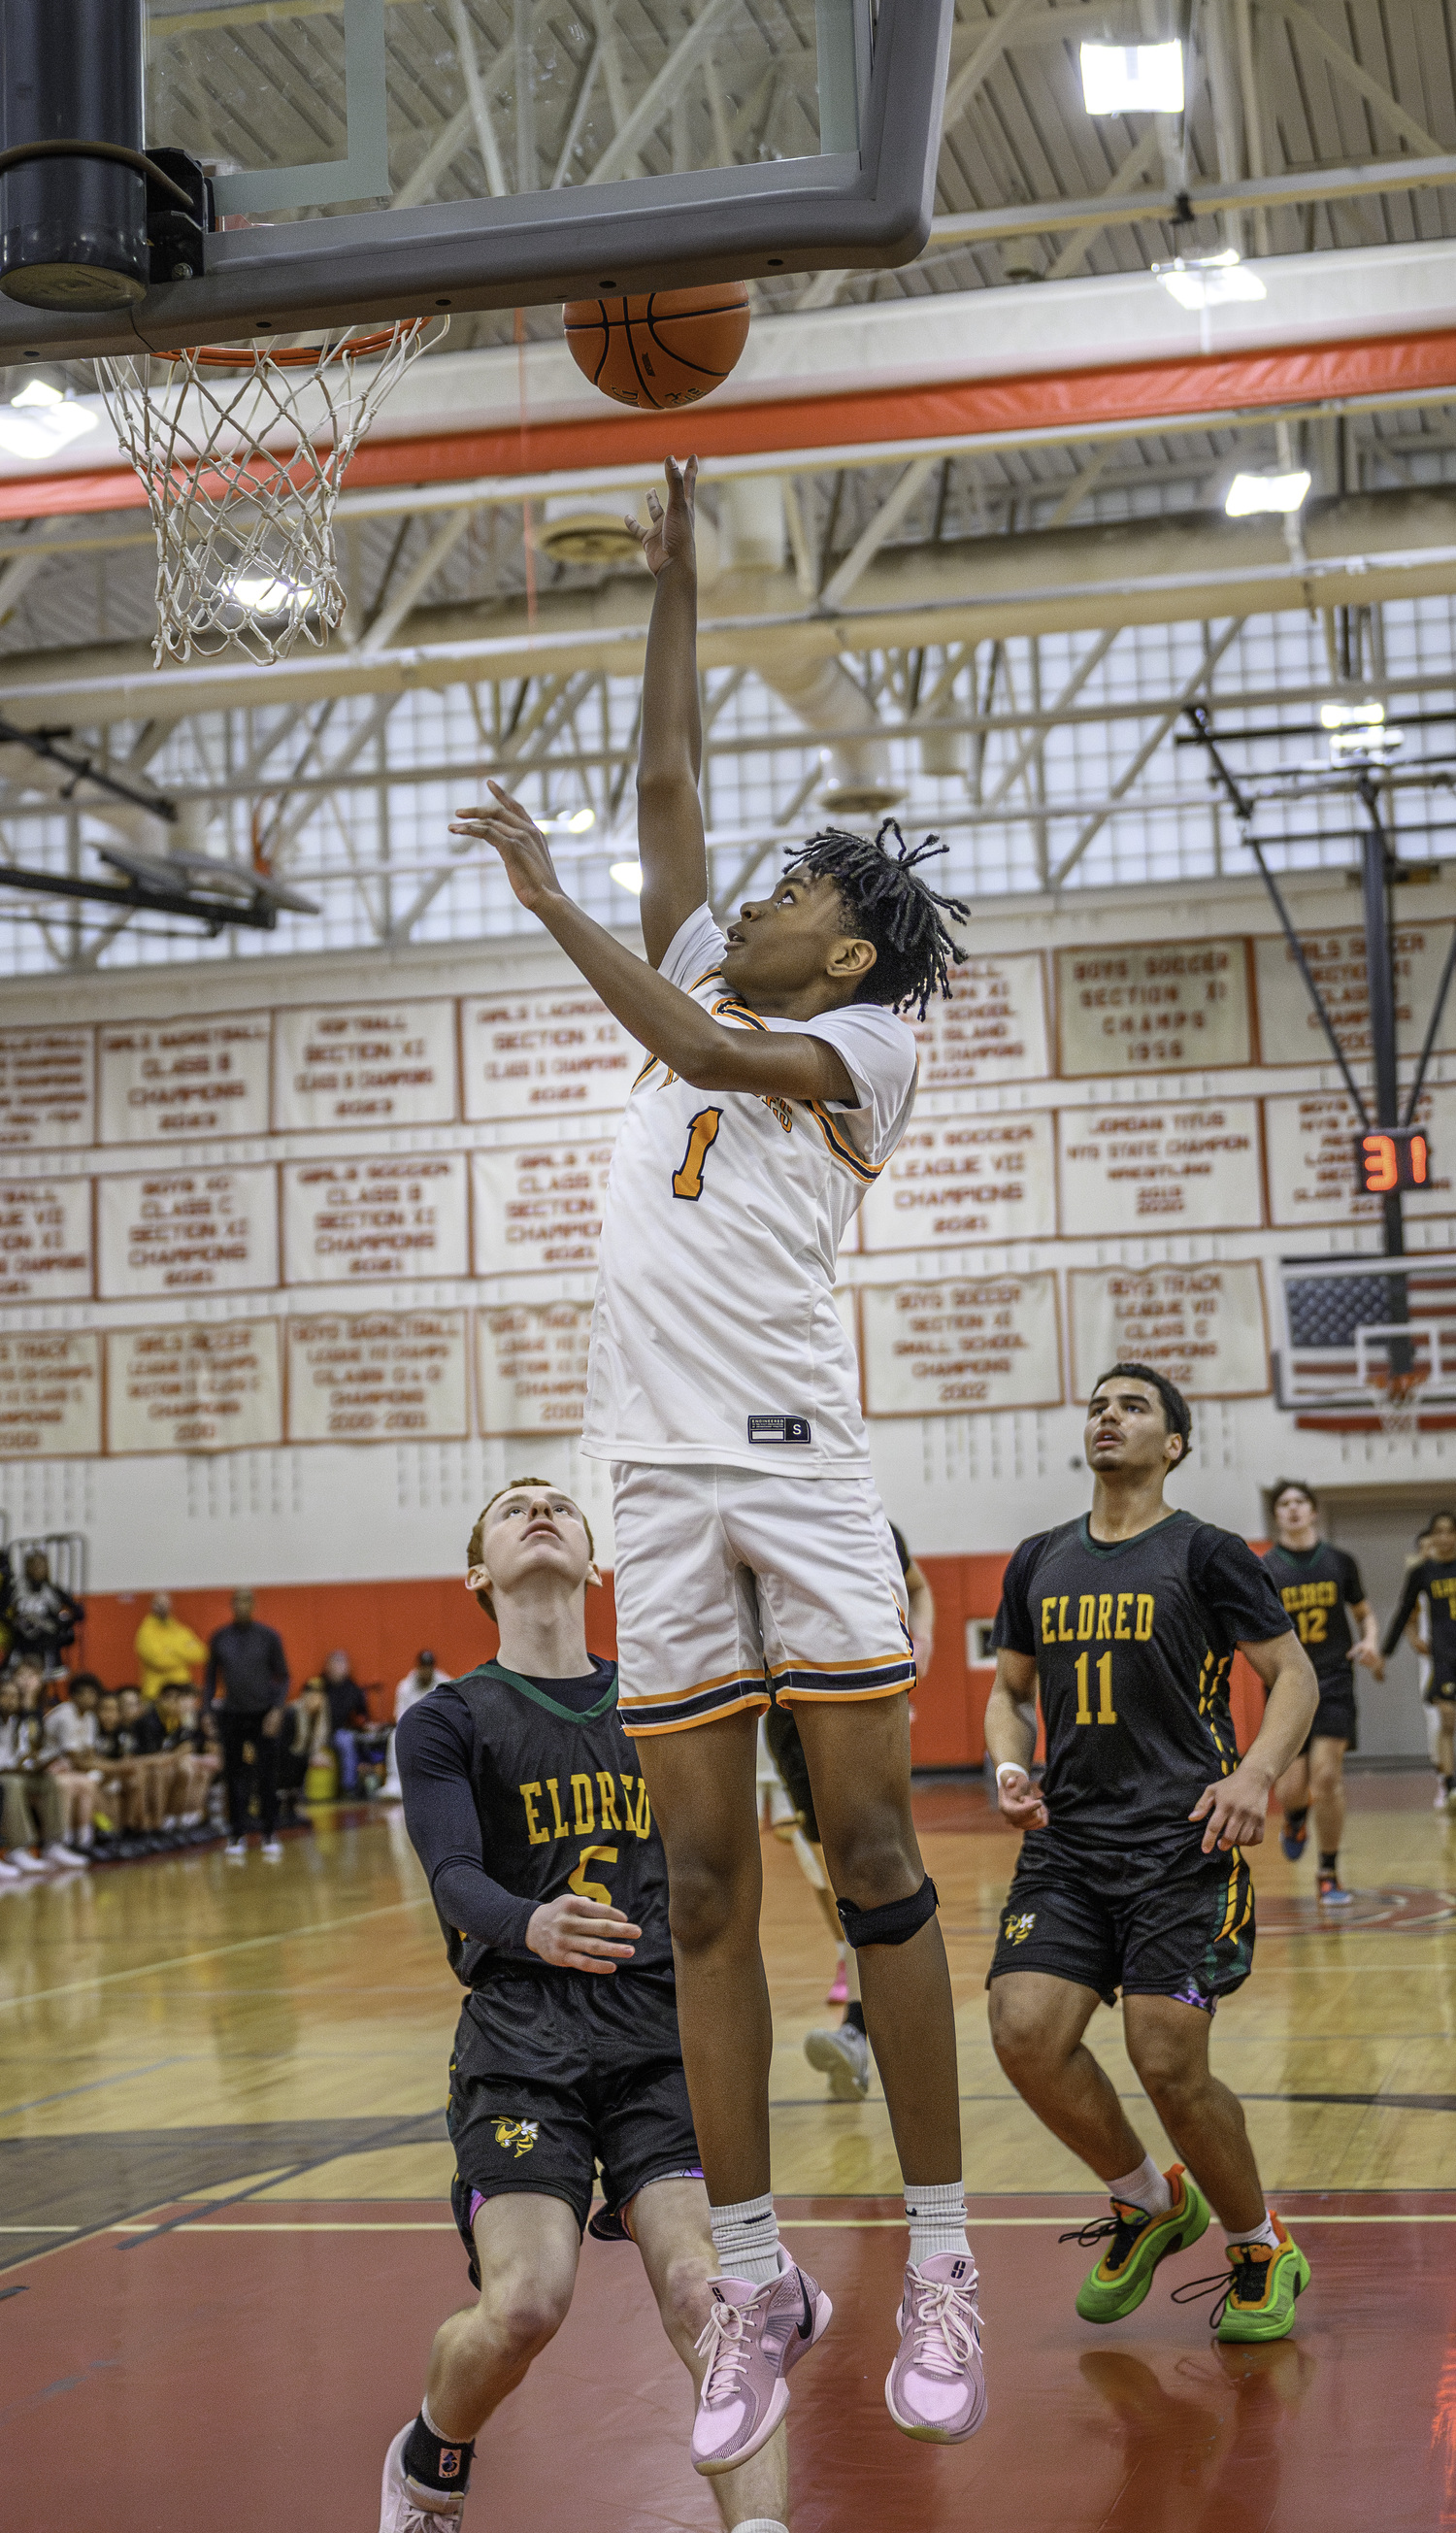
(432, 1745)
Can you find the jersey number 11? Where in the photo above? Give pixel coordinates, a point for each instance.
(1106, 1711)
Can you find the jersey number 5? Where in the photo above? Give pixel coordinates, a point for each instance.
(702, 1135)
(578, 1881)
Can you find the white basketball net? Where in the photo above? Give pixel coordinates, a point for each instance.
(1397, 1398)
(242, 453)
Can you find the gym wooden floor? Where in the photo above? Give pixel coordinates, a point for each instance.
(225, 2243)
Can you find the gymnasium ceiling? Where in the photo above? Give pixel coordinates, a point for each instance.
(1314, 128)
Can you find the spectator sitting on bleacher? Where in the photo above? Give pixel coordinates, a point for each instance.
(35, 1796)
(307, 1733)
(42, 1619)
(349, 1716)
(123, 1774)
(168, 1652)
(191, 1764)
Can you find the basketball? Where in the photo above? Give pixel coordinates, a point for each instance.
(663, 348)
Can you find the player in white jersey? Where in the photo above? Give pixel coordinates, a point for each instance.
(753, 1552)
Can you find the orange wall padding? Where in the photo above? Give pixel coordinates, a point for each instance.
(383, 1626)
(1129, 392)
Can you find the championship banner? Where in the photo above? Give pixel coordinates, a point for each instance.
(542, 1054)
(378, 1377)
(184, 1231)
(386, 1217)
(968, 1346)
(1154, 1006)
(993, 1027)
(45, 1240)
(964, 1179)
(50, 1394)
(213, 1387)
(1203, 1327)
(1289, 1029)
(1190, 1169)
(46, 1091)
(531, 1361)
(365, 1064)
(1311, 1142)
(538, 1206)
(162, 1080)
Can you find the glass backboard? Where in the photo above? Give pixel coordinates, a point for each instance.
(376, 158)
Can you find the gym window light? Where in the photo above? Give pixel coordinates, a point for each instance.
(1132, 79)
(626, 875)
(1250, 494)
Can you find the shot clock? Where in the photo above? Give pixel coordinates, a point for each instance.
(1392, 1157)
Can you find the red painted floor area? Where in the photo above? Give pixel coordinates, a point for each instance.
(252, 2379)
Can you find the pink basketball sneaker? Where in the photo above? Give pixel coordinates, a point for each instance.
(936, 2388)
(753, 2337)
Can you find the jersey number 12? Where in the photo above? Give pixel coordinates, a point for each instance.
(702, 1135)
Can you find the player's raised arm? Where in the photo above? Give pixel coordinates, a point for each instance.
(669, 751)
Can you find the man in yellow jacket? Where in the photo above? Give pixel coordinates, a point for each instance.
(166, 1649)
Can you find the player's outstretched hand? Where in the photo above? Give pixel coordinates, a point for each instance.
(1235, 1810)
(514, 834)
(1370, 1658)
(1020, 1801)
(669, 536)
(581, 1935)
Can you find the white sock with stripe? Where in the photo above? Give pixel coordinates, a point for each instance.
(745, 2237)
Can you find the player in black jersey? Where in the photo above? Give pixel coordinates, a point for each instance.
(524, 1801)
(1435, 1577)
(1131, 1874)
(1320, 1587)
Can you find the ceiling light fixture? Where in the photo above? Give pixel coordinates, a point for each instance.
(1250, 494)
(627, 875)
(41, 421)
(1210, 281)
(1132, 79)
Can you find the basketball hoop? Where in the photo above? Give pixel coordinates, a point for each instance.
(1397, 1396)
(242, 453)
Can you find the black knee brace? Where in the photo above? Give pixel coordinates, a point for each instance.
(895, 1924)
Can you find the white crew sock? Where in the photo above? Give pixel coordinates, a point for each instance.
(1264, 2233)
(936, 2216)
(1146, 2188)
(745, 2237)
(763, 2524)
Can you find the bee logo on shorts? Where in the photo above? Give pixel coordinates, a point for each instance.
(520, 2133)
(1018, 1928)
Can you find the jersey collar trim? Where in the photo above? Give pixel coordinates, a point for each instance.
(1115, 1547)
(538, 1696)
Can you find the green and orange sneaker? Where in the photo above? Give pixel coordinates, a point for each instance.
(1260, 2288)
(1122, 2277)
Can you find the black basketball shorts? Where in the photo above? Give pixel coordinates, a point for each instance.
(556, 2073)
(1180, 1927)
(1335, 1718)
(1439, 1692)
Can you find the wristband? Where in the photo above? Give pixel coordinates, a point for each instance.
(1012, 1768)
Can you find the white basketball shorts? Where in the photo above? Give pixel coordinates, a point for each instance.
(727, 1581)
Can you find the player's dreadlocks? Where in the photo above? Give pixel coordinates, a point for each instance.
(890, 905)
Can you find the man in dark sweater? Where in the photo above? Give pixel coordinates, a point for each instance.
(523, 1799)
(247, 1682)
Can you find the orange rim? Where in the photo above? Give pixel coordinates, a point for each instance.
(360, 347)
